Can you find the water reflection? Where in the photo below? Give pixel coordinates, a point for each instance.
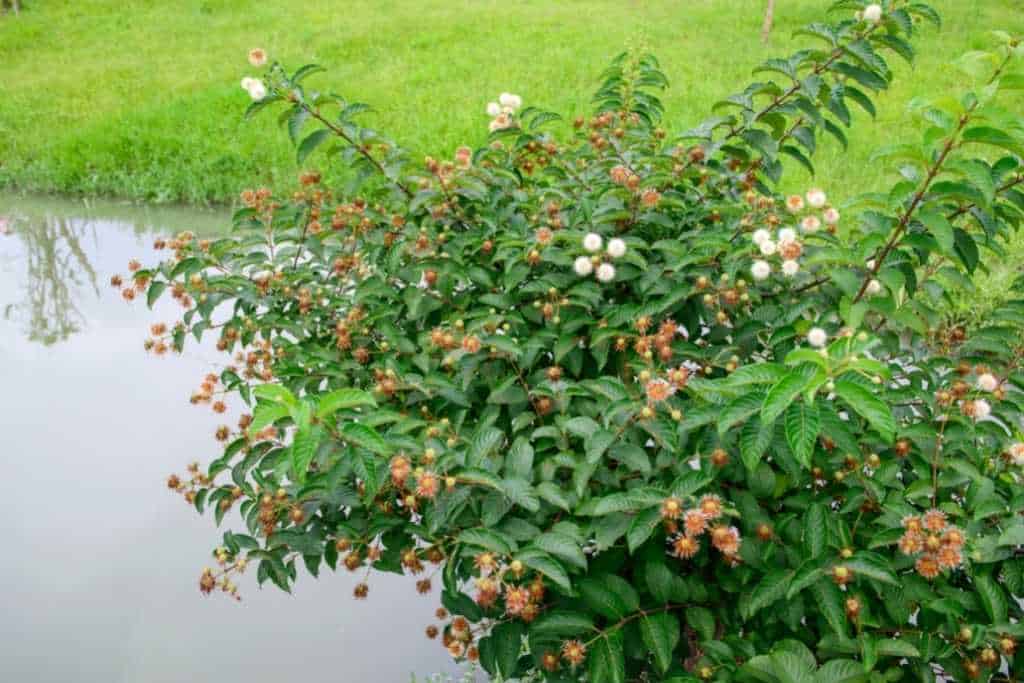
(99, 563)
(55, 264)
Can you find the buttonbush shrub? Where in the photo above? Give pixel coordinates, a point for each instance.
(633, 413)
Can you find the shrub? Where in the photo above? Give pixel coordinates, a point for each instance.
(653, 420)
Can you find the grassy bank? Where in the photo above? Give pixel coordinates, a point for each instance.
(141, 99)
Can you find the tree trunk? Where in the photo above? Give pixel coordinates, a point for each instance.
(769, 19)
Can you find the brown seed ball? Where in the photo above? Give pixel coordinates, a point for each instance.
(719, 457)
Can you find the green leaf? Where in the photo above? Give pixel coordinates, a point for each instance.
(661, 636)
(701, 620)
(896, 647)
(689, 483)
(484, 442)
(816, 530)
(562, 623)
(488, 539)
(873, 567)
(870, 407)
(829, 600)
(607, 662)
(1013, 535)
(784, 392)
(802, 427)
(275, 393)
(507, 643)
(548, 566)
(267, 414)
(756, 373)
(310, 143)
(840, 671)
(595, 594)
(769, 589)
(552, 493)
(988, 135)
(508, 392)
(156, 288)
(642, 527)
(303, 449)
(806, 575)
(521, 493)
(626, 501)
(993, 599)
(790, 667)
(562, 546)
(940, 228)
(755, 437)
(365, 437)
(343, 399)
(581, 427)
(739, 410)
(480, 478)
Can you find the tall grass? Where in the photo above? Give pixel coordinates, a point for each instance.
(141, 99)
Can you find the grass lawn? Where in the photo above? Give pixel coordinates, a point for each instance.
(141, 100)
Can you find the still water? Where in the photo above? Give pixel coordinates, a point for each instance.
(98, 560)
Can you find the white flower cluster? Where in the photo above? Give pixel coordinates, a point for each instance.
(787, 246)
(254, 86)
(604, 271)
(817, 337)
(871, 14)
(1017, 453)
(503, 111)
(988, 382)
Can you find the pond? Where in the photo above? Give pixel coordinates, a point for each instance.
(100, 561)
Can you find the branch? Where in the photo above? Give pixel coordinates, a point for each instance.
(337, 130)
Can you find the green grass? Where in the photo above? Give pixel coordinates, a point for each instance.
(141, 100)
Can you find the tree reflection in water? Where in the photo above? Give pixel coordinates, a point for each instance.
(57, 254)
(57, 268)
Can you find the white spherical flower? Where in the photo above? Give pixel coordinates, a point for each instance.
(982, 409)
(787, 235)
(817, 337)
(500, 122)
(760, 270)
(760, 235)
(1017, 453)
(873, 13)
(874, 287)
(988, 382)
(257, 56)
(794, 203)
(870, 265)
(257, 91)
(616, 247)
(247, 83)
(606, 272)
(816, 198)
(811, 224)
(592, 242)
(767, 247)
(790, 268)
(511, 101)
(831, 216)
(583, 266)
(493, 108)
